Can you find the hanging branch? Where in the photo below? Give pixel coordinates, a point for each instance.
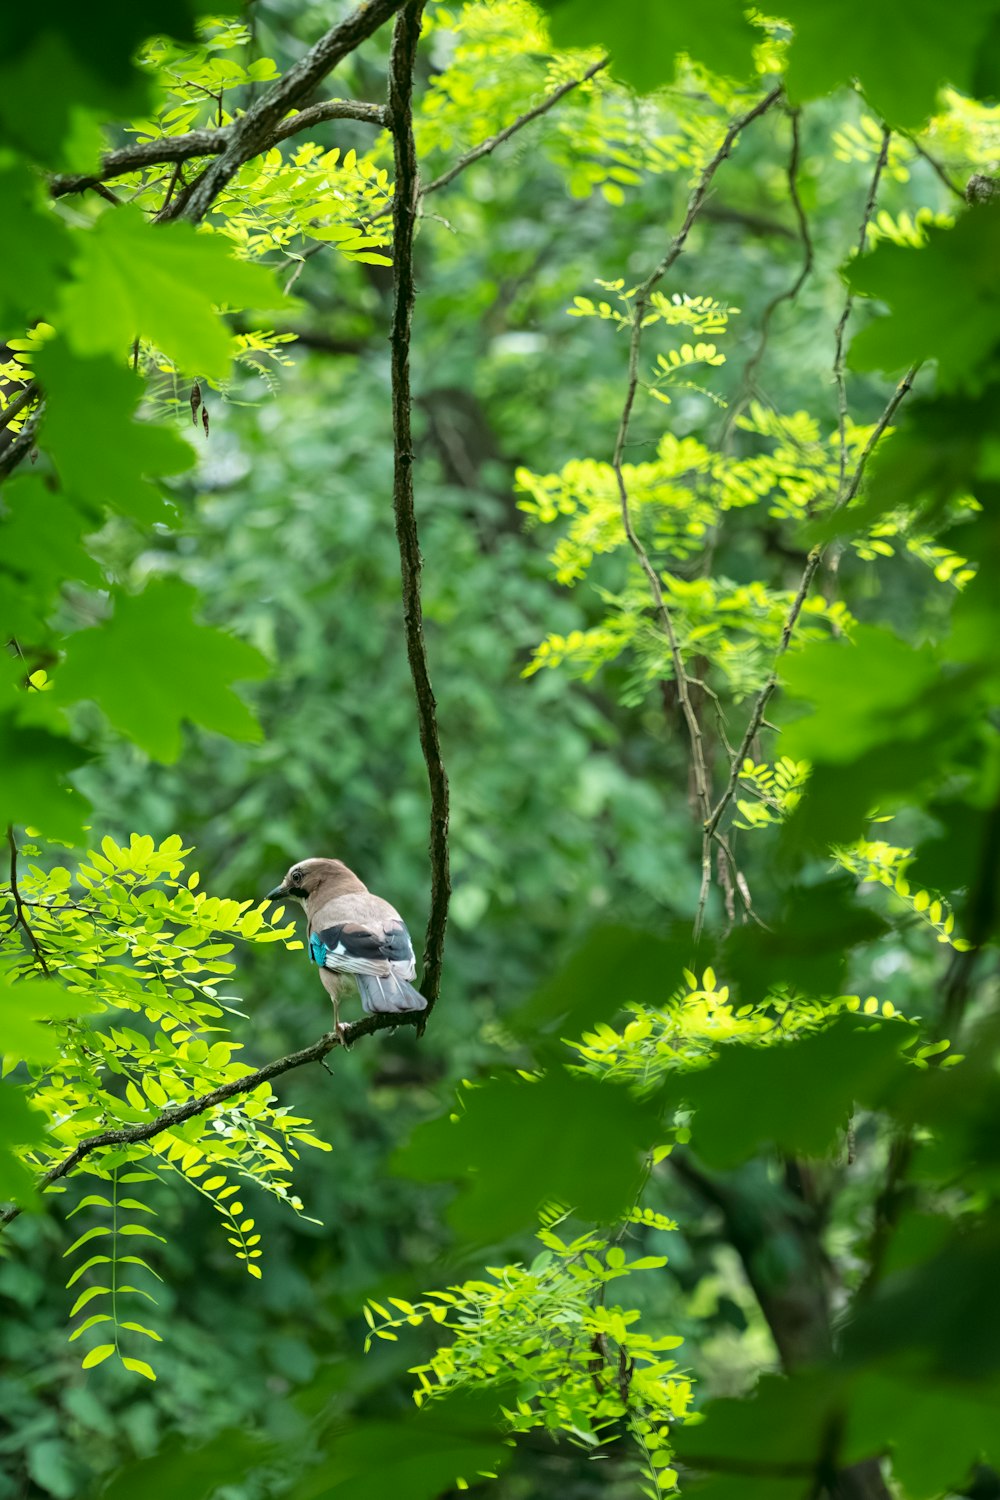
(639, 306)
(405, 37)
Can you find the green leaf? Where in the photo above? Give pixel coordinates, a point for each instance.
(98, 1356)
(88, 1296)
(195, 1473)
(95, 1260)
(577, 1141)
(36, 248)
(937, 1430)
(940, 1316)
(89, 1234)
(41, 545)
(794, 1095)
(785, 1423)
(150, 1333)
(943, 298)
(808, 946)
(104, 457)
(25, 1006)
(900, 68)
(91, 1322)
(162, 283)
(33, 788)
(51, 1466)
(77, 61)
(151, 666)
(138, 1366)
(613, 968)
(887, 718)
(21, 1127)
(419, 1456)
(645, 36)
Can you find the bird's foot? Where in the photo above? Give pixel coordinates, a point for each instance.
(343, 1030)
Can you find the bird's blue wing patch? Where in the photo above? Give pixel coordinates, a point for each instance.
(317, 950)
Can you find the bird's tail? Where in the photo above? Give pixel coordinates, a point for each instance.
(385, 994)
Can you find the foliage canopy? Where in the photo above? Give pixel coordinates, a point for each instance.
(692, 1181)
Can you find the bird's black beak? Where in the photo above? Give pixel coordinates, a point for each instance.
(278, 894)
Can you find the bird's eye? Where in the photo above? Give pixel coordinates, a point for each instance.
(296, 877)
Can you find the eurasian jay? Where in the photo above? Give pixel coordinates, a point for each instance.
(353, 933)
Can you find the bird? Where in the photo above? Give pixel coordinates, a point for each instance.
(352, 933)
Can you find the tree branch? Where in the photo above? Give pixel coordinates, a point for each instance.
(169, 1119)
(176, 149)
(406, 35)
(255, 130)
(697, 198)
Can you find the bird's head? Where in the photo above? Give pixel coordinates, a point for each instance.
(311, 877)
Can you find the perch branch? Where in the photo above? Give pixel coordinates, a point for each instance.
(169, 1119)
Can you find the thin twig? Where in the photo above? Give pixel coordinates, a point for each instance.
(169, 1119)
(757, 713)
(405, 37)
(790, 293)
(22, 920)
(20, 401)
(904, 386)
(933, 162)
(642, 295)
(485, 147)
(839, 373)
